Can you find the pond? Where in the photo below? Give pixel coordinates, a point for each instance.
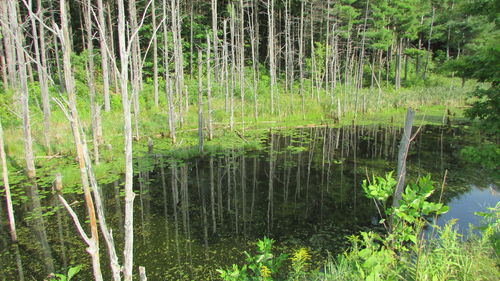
(301, 187)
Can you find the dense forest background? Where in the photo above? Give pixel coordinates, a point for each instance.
(302, 48)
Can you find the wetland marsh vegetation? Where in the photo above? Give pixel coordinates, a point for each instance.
(248, 140)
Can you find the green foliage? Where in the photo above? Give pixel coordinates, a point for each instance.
(263, 266)
(72, 271)
(491, 230)
(7, 114)
(409, 216)
(486, 156)
(380, 188)
(482, 62)
(404, 255)
(486, 107)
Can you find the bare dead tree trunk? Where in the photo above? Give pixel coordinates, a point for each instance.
(429, 44)
(94, 118)
(362, 56)
(200, 103)
(104, 55)
(301, 58)
(313, 73)
(209, 92)
(327, 52)
(168, 81)
(178, 58)
(69, 85)
(129, 193)
(56, 48)
(215, 38)
(272, 55)
(106, 231)
(404, 146)
(225, 55)
(135, 64)
(38, 221)
(9, 43)
(242, 64)
(42, 72)
(398, 63)
(3, 66)
(253, 44)
(8, 198)
(155, 55)
(232, 31)
(191, 21)
(112, 58)
(288, 45)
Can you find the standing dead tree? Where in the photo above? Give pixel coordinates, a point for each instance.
(168, 81)
(404, 146)
(39, 49)
(209, 93)
(104, 55)
(200, 103)
(93, 241)
(8, 198)
(16, 33)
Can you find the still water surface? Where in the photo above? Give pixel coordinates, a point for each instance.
(302, 187)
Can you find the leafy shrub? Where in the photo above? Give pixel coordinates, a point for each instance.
(262, 266)
(487, 156)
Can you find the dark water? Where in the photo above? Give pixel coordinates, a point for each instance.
(301, 187)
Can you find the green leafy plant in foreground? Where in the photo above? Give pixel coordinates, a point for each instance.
(400, 254)
(403, 253)
(409, 217)
(492, 228)
(374, 256)
(263, 266)
(72, 271)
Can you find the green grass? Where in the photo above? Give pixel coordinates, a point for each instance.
(444, 257)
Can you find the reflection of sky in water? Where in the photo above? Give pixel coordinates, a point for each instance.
(464, 206)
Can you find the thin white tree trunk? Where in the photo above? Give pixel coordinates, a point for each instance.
(94, 118)
(242, 64)
(135, 64)
(178, 59)
(232, 31)
(225, 58)
(128, 250)
(168, 81)
(8, 198)
(427, 56)
(200, 103)
(38, 221)
(104, 55)
(42, 73)
(272, 55)
(70, 89)
(253, 44)
(209, 92)
(155, 56)
(301, 58)
(215, 38)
